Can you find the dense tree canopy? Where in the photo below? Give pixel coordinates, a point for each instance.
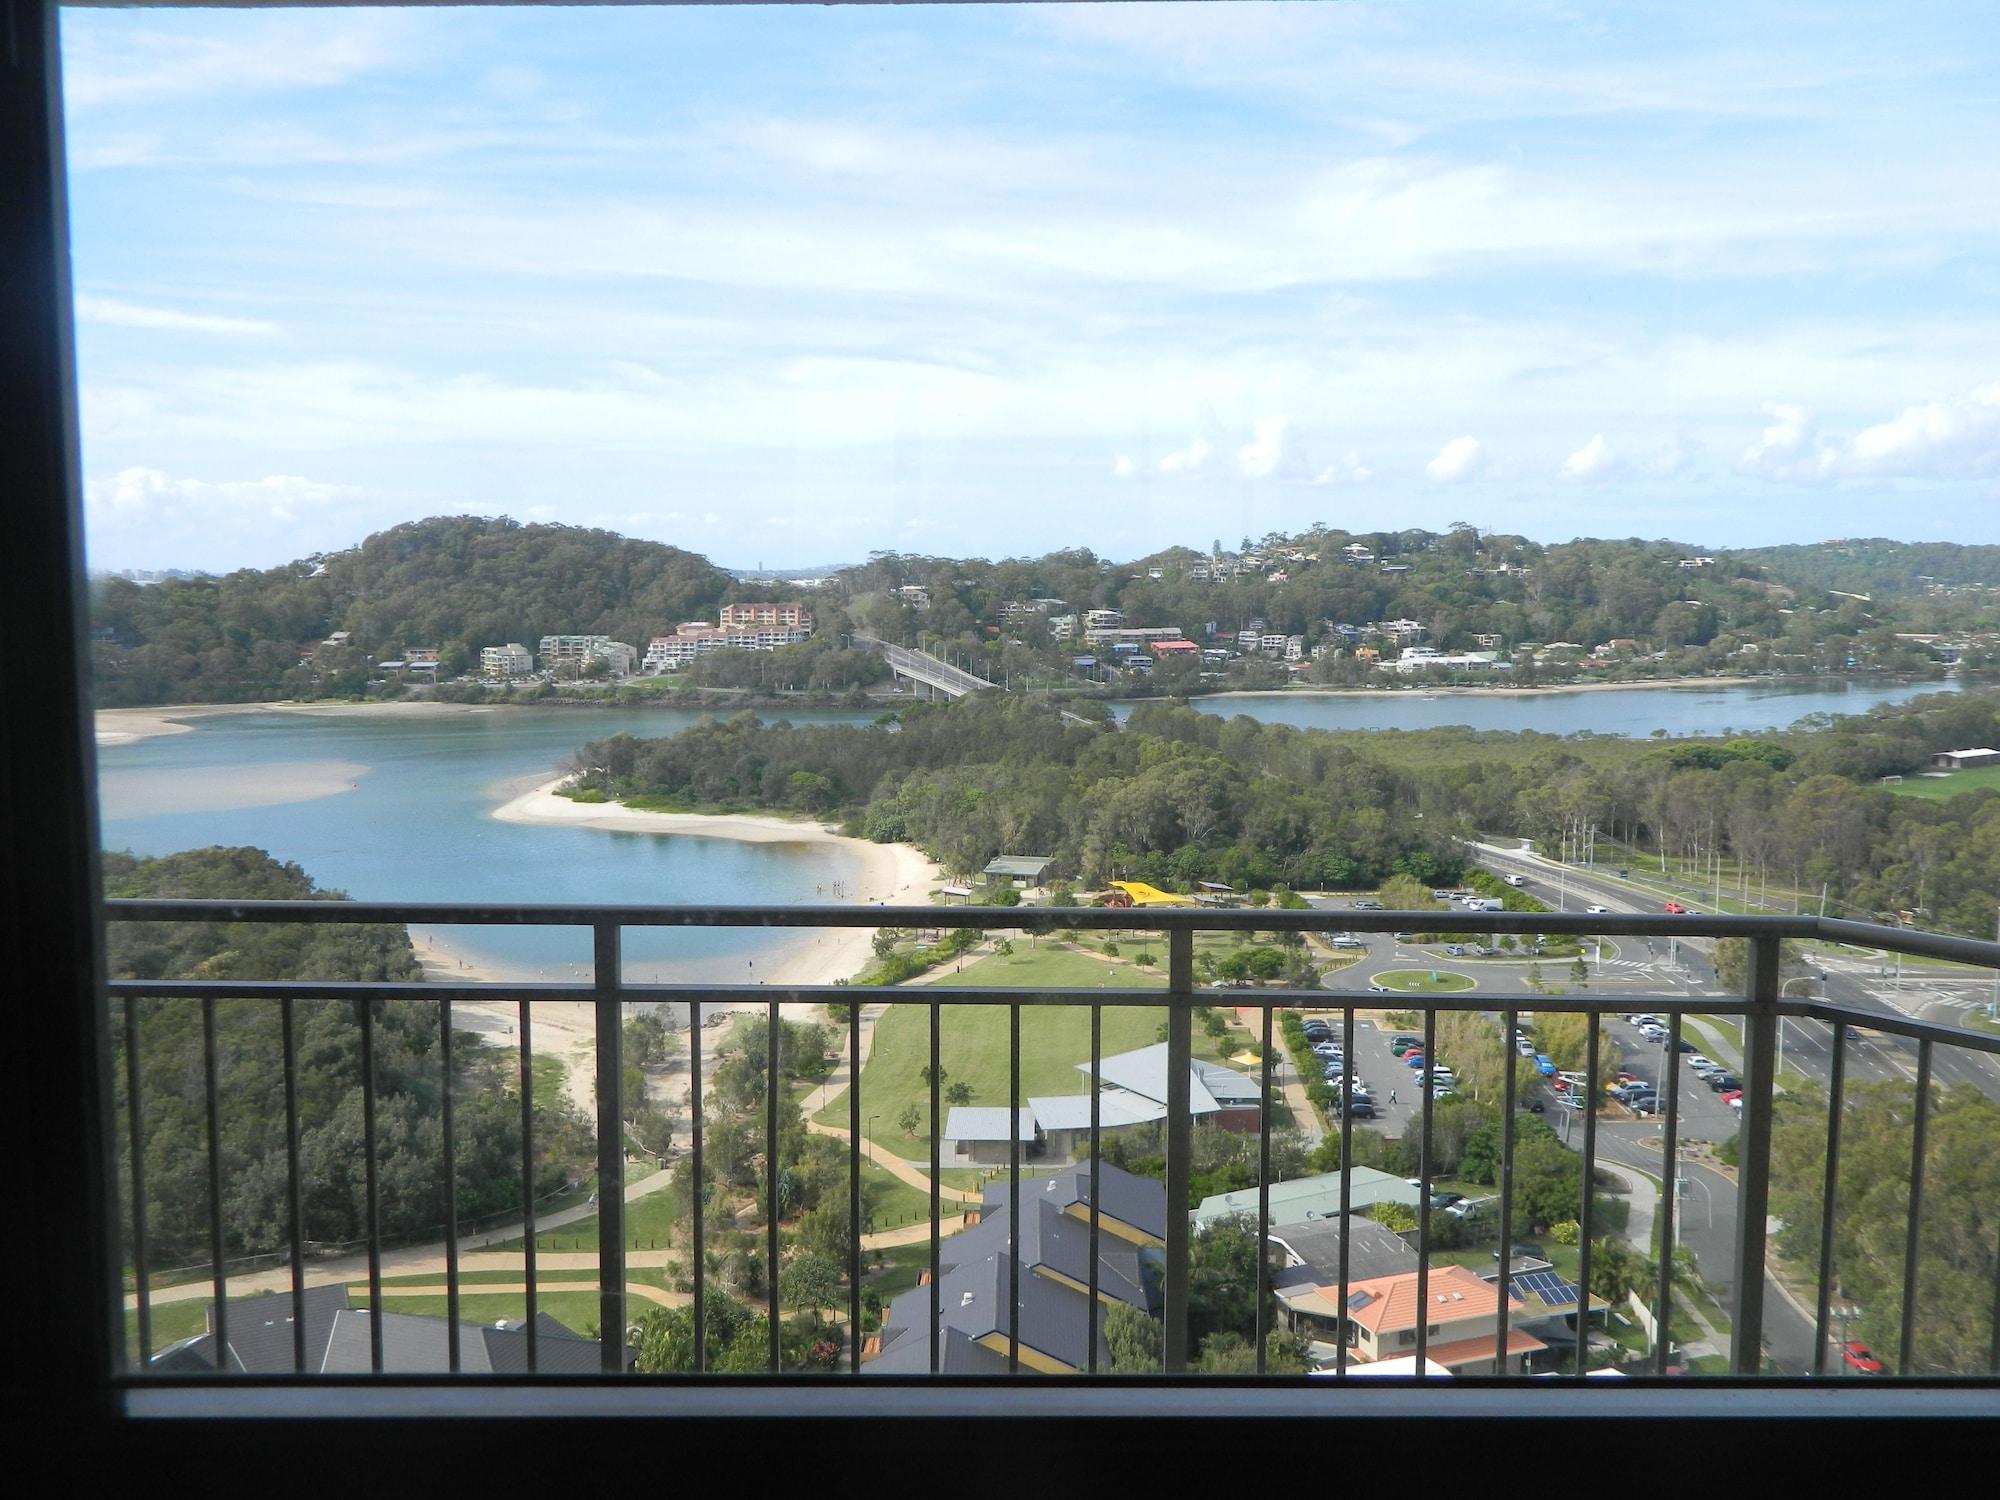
(250, 1076)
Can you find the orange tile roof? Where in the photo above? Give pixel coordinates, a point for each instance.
(1466, 1351)
(1455, 1293)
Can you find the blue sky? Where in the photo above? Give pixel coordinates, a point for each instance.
(788, 285)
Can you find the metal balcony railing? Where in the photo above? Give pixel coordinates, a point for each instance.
(1760, 1009)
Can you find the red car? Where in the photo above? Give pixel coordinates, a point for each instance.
(1859, 1358)
(1674, 908)
(1732, 1095)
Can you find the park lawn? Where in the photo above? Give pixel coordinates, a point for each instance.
(649, 1219)
(1956, 784)
(576, 1311)
(888, 1202)
(973, 1048)
(902, 1268)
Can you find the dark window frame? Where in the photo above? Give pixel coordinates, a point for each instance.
(66, 1337)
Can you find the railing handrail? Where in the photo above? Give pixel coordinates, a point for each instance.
(1760, 1005)
(1981, 952)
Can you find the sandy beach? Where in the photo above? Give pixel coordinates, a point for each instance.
(894, 874)
(126, 726)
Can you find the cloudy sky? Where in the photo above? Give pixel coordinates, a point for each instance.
(786, 286)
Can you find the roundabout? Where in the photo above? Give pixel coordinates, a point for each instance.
(1423, 981)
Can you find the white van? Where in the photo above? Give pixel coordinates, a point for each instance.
(1515, 879)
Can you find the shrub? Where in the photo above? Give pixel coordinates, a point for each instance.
(1565, 1232)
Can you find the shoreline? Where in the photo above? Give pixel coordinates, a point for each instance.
(127, 726)
(889, 873)
(1463, 691)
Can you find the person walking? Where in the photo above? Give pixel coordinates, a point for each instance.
(1392, 1096)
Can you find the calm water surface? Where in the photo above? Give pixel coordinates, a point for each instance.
(395, 808)
(410, 821)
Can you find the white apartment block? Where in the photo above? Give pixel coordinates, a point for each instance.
(669, 653)
(1400, 630)
(1295, 648)
(1103, 619)
(792, 614)
(1271, 645)
(506, 663)
(557, 650)
(915, 595)
(1062, 627)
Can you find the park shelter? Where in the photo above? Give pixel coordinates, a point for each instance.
(1022, 869)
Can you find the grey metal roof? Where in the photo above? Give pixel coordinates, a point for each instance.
(984, 1123)
(957, 1355)
(260, 1333)
(1028, 866)
(1144, 1072)
(1115, 1108)
(1052, 1239)
(1128, 1198)
(413, 1344)
(1373, 1250)
(1302, 1200)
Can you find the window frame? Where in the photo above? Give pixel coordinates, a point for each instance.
(61, 1375)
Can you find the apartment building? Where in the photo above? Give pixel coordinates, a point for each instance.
(562, 651)
(695, 638)
(506, 663)
(791, 614)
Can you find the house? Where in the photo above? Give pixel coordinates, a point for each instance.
(1163, 649)
(1964, 760)
(506, 663)
(1053, 1322)
(1405, 631)
(1021, 870)
(1308, 1200)
(915, 595)
(986, 1135)
(1459, 1314)
(339, 1341)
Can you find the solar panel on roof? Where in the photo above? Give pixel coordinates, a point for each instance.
(1548, 1286)
(1358, 1300)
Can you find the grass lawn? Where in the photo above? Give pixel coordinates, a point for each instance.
(648, 1220)
(973, 1050)
(1939, 789)
(1053, 967)
(574, 1310)
(1420, 982)
(902, 1267)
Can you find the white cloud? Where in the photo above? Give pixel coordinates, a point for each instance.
(1593, 461)
(1790, 448)
(1953, 439)
(1460, 459)
(1270, 449)
(1350, 470)
(1193, 459)
(1123, 467)
(108, 62)
(140, 493)
(117, 314)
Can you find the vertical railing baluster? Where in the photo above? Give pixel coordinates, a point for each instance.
(212, 1086)
(445, 1115)
(524, 1023)
(1345, 1127)
(1829, 1194)
(1670, 1090)
(1180, 1055)
(1920, 1130)
(1264, 1195)
(294, 1209)
(773, 1039)
(1424, 1191)
(607, 976)
(1503, 1310)
(1753, 1204)
(372, 1177)
(134, 1129)
(854, 1191)
(1014, 1205)
(697, 1192)
(937, 1189)
(1096, 1131)
(1592, 1084)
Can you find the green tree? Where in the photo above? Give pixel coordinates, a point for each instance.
(1134, 1339)
(810, 1281)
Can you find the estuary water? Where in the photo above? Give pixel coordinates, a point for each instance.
(396, 807)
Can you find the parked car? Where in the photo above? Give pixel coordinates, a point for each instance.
(1360, 1109)
(1346, 940)
(1401, 1044)
(1535, 1107)
(1366, 905)
(1860, 1358)
(1727, 1083)
(1545, 1065)
(1687, 1047)
(1414, 1059)
(1445, 1200)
